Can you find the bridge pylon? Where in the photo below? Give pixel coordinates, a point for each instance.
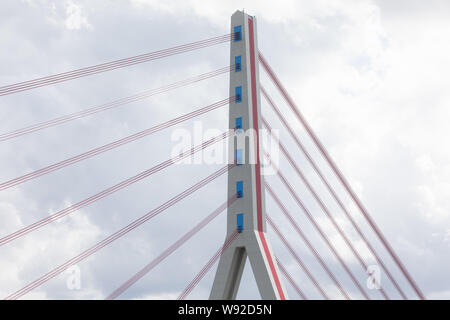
(245, 180)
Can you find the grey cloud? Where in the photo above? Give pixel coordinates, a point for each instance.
(322, 52)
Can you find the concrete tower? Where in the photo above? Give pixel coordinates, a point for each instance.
(247, 214)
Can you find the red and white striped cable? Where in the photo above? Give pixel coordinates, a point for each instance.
(127, 284)
(116, 235)
(121, 63)
(110, 105)
(306, 240)
(93, 152)
(341, 178)
(323, 207)
(296, 257)
(207, 266)
(291, 280)
(58, 215)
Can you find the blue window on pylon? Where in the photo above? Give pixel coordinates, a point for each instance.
(239, 156)
(237, 33)
(240, 222)
(240, 189)
(238, 123)
(238, 93)
(237, 63)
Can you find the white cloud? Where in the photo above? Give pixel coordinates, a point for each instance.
(76, 17)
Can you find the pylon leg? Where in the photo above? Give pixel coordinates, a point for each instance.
(229, 273)
(255, 246)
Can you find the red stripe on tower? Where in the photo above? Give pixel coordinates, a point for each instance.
(255, 125)
(257, 161)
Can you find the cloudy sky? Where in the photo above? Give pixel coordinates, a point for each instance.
(371, 77)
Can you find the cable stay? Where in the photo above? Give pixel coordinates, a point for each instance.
(207, 266)
(320, 231)
(339, 174)
(290, 279)
(324, 208)
(325, 182)
(96, 151)
(296, 257)
(127, 284)
(299, 231)
(125, 183)
(108, 66)
(110, 105)
(123, 231)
